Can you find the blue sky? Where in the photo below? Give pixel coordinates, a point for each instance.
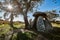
(47, 5)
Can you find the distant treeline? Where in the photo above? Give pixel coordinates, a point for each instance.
(7, 22)
(58, 22)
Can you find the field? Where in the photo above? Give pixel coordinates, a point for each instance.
(5, 28)
(56, 25)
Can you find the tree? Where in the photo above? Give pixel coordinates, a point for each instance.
(52, 14)
(8, 9)
(26, 6)
(22, 7)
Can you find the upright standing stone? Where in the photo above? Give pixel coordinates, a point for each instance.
(40, 24)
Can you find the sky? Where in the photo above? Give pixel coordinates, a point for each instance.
(47, 5)
(50, 5)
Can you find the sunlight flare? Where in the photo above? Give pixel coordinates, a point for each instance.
(10, 7)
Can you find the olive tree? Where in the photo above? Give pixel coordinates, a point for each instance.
(27, 6)
(20, 7)
(8, 7)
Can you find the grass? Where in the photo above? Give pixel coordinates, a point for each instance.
(4, 28)
(23, 36)
(56, 25)
(19, 25)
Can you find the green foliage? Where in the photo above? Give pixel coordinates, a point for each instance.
(25, 36)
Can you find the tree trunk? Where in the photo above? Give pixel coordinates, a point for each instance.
(11, 24)
(11, 20)
(26, 21)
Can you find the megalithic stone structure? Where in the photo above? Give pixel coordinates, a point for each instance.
(41, 23)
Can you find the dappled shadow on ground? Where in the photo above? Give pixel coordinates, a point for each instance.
(31, 35)
(53, 35)
(24, 36)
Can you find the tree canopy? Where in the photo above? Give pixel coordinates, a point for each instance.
(17, 7)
